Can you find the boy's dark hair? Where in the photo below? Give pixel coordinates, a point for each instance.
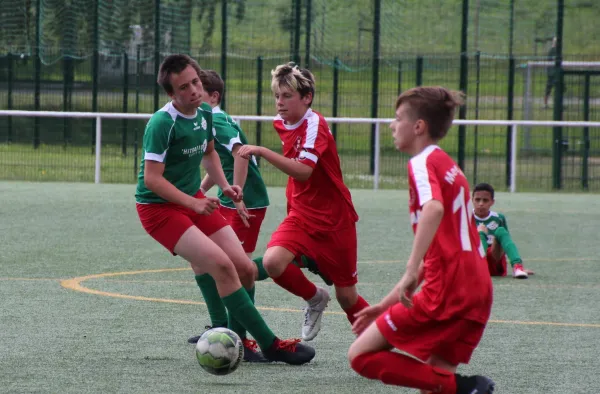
(212, 82)
(433, 104)
(484, 187)
(174, 64)
(294, 78)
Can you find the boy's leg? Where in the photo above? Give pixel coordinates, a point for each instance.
(415, 334)
(370, 356)
(504, 243)
(338, 260)
(207, 257)
(496, 265)
(350, 301)
(277, 261)
(227, 240)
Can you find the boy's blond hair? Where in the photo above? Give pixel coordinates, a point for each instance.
(433, 104)
(290, 76)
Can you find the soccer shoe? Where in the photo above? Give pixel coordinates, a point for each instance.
(519, 272)
(474, 385)
(290, 351)
(313, 314)
(194, 340)
(252, 353)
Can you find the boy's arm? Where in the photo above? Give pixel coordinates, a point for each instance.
(429, 221)
(298, 171)
(157, 183)
(240, 167)
(504, 222)
(212, 163)
(206, 184)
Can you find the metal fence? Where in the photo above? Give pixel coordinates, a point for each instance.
(576, 163)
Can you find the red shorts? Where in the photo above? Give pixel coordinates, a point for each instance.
(247, 235)
(166, 222)
(496, 267)
(413, 332)
(334, 251)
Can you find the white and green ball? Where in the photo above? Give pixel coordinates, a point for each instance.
(219, 351)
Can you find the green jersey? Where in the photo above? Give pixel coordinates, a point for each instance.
(179, 141)
(493, 221)
(227, 133)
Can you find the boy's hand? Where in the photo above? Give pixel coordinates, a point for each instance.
(407, 286)
(247, 151)
(365, 317)
(234, 192)
(482, 228)
(205, 206)
(243, 212)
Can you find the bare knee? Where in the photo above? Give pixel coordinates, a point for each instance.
(276, 260)
(223, 271)
(247, 273)
(352, 353)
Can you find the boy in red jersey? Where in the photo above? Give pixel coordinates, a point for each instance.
(443, 323)
(321, 220)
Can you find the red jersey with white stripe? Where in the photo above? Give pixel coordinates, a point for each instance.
(457, 281)
(323, 202)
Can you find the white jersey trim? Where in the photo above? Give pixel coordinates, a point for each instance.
(232, 143)
(171, 110)
(307, 155)
(312, 130)
(419, 167)
(294, 126)
(155, 156)
(492, 213)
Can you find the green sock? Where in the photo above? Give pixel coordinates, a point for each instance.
(240, 306)
(235, 325)
(262, 273)
(508, 245)
(216, 309)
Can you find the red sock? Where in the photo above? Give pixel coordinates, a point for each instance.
(400, 370)
(294, 281)
(358, 306)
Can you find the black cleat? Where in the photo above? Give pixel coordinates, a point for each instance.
(252, 353)
(194, 340)
(474, 385)
(289, 351)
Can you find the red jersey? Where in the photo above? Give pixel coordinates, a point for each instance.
(322, 202)
(457, 281)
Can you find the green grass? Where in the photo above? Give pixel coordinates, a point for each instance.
(544, 336)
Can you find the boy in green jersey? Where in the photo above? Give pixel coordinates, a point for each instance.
(493, 231)
(245, 216)
(173, 210)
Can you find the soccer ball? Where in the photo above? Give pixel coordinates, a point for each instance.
(219, 351)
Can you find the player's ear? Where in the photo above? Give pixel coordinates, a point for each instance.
(420, 126)
(308, 98)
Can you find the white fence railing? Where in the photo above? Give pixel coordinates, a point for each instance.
(514, 124)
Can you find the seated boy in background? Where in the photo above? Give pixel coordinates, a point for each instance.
(493, 231)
